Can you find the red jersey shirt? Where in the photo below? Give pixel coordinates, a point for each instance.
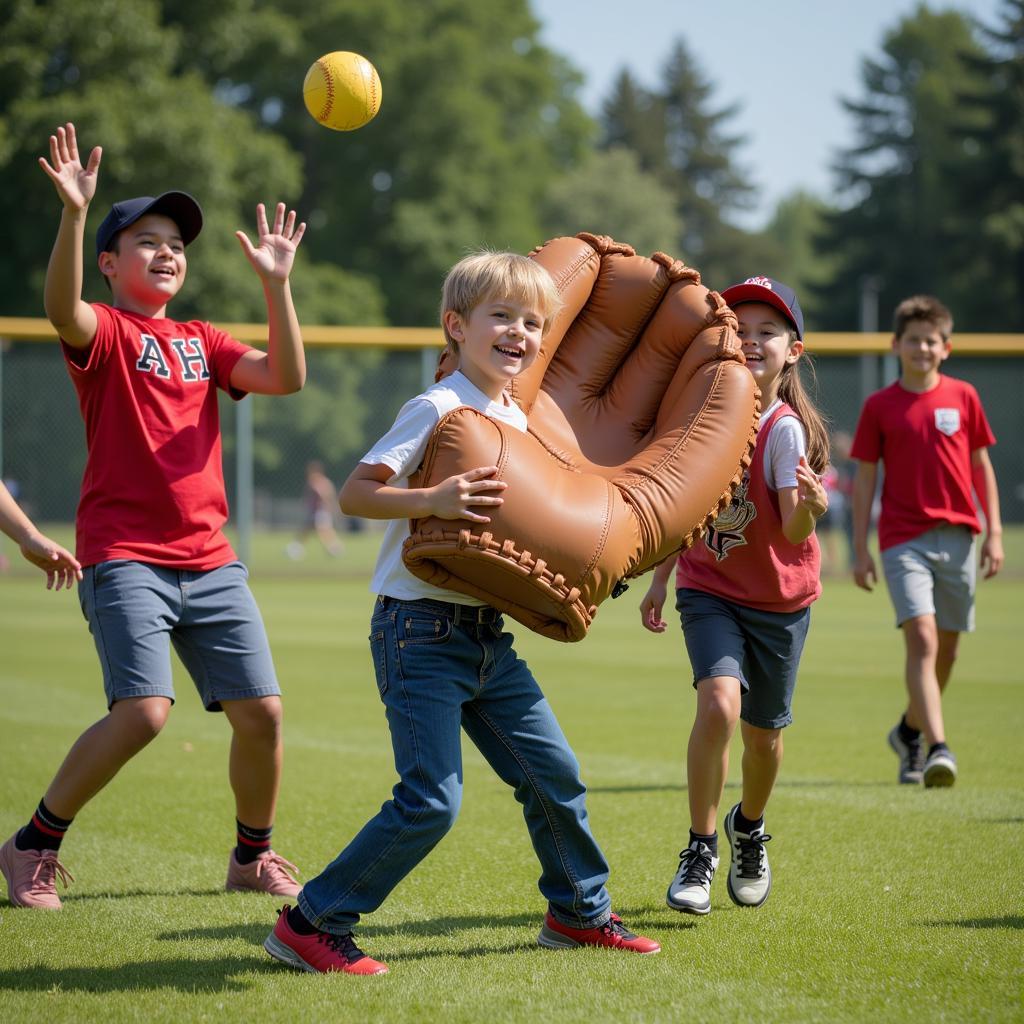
(745, 557)
(153, 487)
(925, 441)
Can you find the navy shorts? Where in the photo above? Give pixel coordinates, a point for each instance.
(136, 611)
(760, 649)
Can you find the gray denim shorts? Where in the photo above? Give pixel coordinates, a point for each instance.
(760, 649)
(136, 611)
(934, 574)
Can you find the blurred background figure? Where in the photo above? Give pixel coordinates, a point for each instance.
(835, 528)
(320, 501)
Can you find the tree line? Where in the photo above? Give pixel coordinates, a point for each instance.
(482, 140)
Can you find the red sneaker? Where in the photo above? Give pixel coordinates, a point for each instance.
(32, 876)
(319, 952)
(269, 872)
(612, 935)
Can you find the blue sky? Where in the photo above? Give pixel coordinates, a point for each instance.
(785, 62)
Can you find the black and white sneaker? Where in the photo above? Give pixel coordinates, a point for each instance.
(750, 877)
(911, 756)
(690, 890)
(940, 768)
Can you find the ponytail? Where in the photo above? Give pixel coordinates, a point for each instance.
(792, 392)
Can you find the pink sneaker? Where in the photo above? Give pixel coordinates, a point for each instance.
(611, 935)
(32, 876)
(267, 873)
(320, 952)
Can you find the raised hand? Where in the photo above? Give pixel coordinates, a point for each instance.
(274, 254)
(809, 490)
(75, 184)
(452, 498)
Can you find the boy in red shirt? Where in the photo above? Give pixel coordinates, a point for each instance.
(931, 432)
(157, 568)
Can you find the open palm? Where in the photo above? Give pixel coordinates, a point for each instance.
(274, 254)
(75, 184)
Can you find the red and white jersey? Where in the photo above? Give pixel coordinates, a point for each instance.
(925, 440)
(153, 487)
(745, 557)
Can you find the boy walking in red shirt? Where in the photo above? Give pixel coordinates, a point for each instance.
(157, 568)
(931, 432)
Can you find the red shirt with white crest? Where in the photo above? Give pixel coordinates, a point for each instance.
(925, 440)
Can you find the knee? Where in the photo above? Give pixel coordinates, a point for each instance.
(260, 720)
(433, 814)
(921, 637)
(142, 718)
(717, 714)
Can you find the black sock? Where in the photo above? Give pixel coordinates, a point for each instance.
(251, 842)
(711, 841)
(907, 734)
(936, 747)
(44, 832)
(298, 923)
(745, 825)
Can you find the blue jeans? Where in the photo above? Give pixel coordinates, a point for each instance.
(440, 668)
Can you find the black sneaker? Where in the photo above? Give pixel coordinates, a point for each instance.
(690, 890)
(750, 877)
(911, 756)
(940, 768)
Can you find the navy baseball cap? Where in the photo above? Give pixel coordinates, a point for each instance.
(179, 206)
(772, 292)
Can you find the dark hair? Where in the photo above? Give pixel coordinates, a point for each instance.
(794, 394)
(923, 307)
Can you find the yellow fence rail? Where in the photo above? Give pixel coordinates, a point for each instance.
(849, 343)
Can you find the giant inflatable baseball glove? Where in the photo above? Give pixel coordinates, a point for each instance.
(640, 414)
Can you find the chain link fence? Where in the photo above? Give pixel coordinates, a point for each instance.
(351, 398)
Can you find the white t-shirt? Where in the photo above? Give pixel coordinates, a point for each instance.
(786, 443)
(401, 450)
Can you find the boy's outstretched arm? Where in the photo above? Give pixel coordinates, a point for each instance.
(366, 493)
(60, 565)
(984, 477)
(865, 574)
(281, 370)
(73, 319)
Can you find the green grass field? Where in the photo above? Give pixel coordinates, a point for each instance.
(889, 903)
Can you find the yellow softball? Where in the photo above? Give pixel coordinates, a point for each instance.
(342, 90)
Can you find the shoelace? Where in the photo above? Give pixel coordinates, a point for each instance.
(344, 945)
(274, 864)
(915, 756)
(615, 928)
(47, 871)
(699, 869)
(751, 854)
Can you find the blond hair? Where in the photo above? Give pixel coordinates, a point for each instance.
(505, 275)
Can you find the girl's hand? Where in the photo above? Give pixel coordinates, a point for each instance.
(61, 567)
(453, 498)
(650, 608)
(272, 258)
(809, 490)
(75, 184)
